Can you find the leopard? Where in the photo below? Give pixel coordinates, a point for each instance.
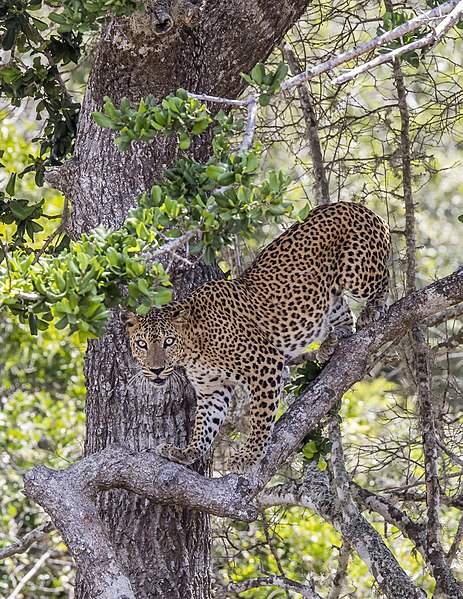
(242, 331)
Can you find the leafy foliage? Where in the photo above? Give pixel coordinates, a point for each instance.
(219, 199)
(315, 447)
(90, 15)
(41, 420)
(40, 45)
(305, 374)
(266, 81)
(177, 113)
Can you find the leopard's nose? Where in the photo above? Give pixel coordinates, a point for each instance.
(156, 370)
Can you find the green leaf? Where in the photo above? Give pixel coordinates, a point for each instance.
(20, 209)
(247, 78)
(9, 38)
(264, 99)
(322, 464)
(33, 324)
(102, 120)
(62, 322)
(213, 171)
(184, 141)
(258, 73)
(182, 94)
(281, 72)
(277, 209)
(11, 184)
(58, 17)
(209, 255)
(304, 212)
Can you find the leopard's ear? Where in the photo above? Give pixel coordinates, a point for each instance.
(181, 315)
(129, 320)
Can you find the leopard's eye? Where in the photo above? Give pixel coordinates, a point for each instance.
(168, 341)
(141, 343)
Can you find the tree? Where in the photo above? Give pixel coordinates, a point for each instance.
(111, 555)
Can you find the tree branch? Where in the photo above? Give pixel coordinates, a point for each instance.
(430, 40)
(445, 581)
(377, 42)
(305, 590)
(30, 574)
(69, 497)
(349, 364)
(455, 7)
(452, 552)
(340, 477)
(322, 190)
(341, 571)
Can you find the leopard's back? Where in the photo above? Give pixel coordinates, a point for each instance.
(291, 286)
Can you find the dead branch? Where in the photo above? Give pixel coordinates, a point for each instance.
(455, 7)
(30, 574)
(455, 547)
(430, 40)
(322, 191)
(315, 494)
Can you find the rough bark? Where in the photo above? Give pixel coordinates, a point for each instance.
(164, 551)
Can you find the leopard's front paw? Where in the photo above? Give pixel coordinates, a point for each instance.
(177, 454)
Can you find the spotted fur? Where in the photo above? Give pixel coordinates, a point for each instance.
(241, 332)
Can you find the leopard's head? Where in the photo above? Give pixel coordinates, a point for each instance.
(156, 340)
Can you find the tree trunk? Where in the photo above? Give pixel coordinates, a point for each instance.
(165, 551)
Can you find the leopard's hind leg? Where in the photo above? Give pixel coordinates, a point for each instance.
(375, 308)
(341, 323)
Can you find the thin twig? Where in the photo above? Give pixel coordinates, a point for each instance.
(445, 315)
(28, 539)
(32, 572)
(171, 246)
(341, 571)
(219, 100)
(452, 455)
(455, 546)
(432, 39)
(305, 590)
(322, 192)
(377, 42)
(62, 227)
(4, 247)
(28, 297)
(341, 478)
(250, 125)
